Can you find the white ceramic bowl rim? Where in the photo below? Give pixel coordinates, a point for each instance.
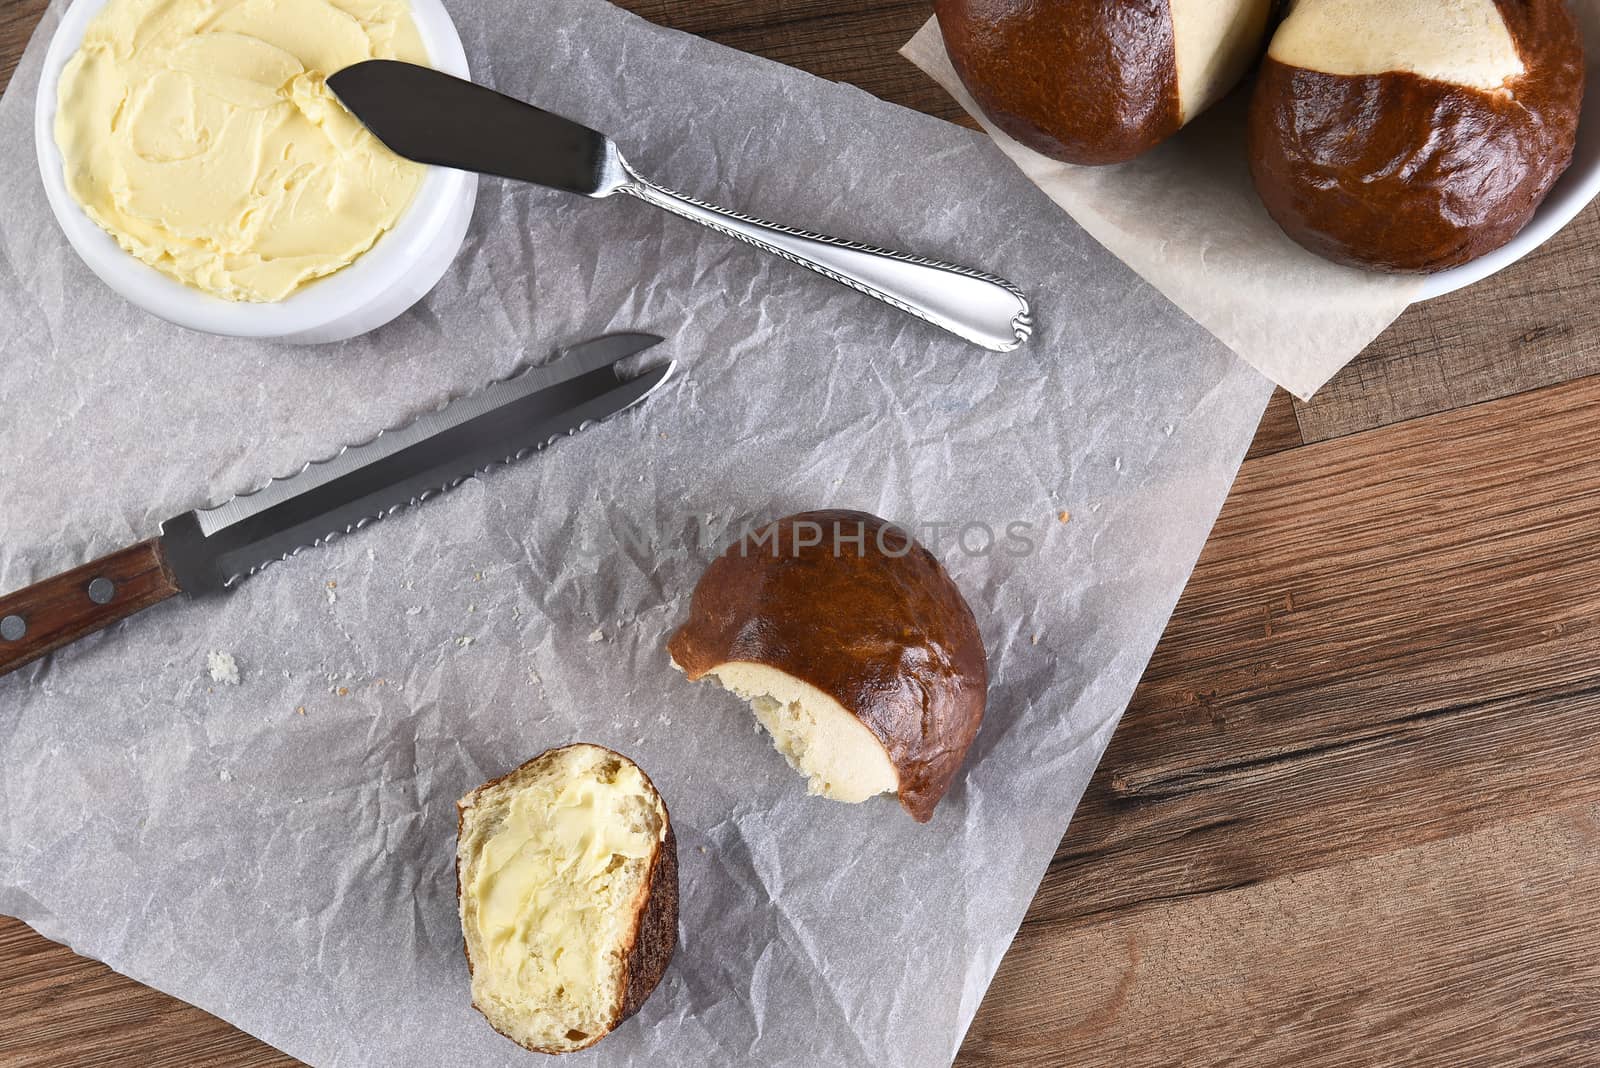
(306, 311)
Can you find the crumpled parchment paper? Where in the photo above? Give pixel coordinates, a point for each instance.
(1186, 217)
(279, 852)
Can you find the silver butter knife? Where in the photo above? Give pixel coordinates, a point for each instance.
(212, 549)
(431, 117)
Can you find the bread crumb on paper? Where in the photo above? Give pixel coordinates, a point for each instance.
(465, 641)
(597, 635)
(223, 668)
(1064, 516)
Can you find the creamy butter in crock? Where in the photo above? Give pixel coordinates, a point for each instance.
(201, 135)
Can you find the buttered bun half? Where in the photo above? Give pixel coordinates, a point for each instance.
(1414, 135)
(853, 647)
(567, 882)
(1100, 81)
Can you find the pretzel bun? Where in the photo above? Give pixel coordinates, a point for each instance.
(567, 886)
(1414, 135)
(854, 648)
(1100, 81)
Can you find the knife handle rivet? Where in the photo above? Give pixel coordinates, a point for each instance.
(12, 628)
(101, 590)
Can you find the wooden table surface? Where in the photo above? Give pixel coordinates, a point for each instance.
(1352, 816)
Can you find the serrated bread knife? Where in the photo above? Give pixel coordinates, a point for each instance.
(431, 117)
(212, 549)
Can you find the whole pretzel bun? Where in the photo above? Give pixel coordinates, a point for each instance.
(1100, 81)
(854, 648)
(1414, 135)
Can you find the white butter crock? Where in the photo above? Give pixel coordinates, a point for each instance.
(384, 281)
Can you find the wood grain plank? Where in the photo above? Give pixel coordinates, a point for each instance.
(58, 1010)
(1476, 952)
(854, 41)
(1279, 429)
(17, 20)
(1390, 638)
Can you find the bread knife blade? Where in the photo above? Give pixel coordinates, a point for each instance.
(431, 117)
(211, 550)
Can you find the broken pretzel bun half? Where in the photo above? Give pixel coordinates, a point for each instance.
(567, 882)
(1414, 135)
(1100, 81)
(853, 646)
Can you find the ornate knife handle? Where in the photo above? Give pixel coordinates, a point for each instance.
(49, 614)
(981, 308)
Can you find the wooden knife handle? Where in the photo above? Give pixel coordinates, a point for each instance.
(47, 615)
